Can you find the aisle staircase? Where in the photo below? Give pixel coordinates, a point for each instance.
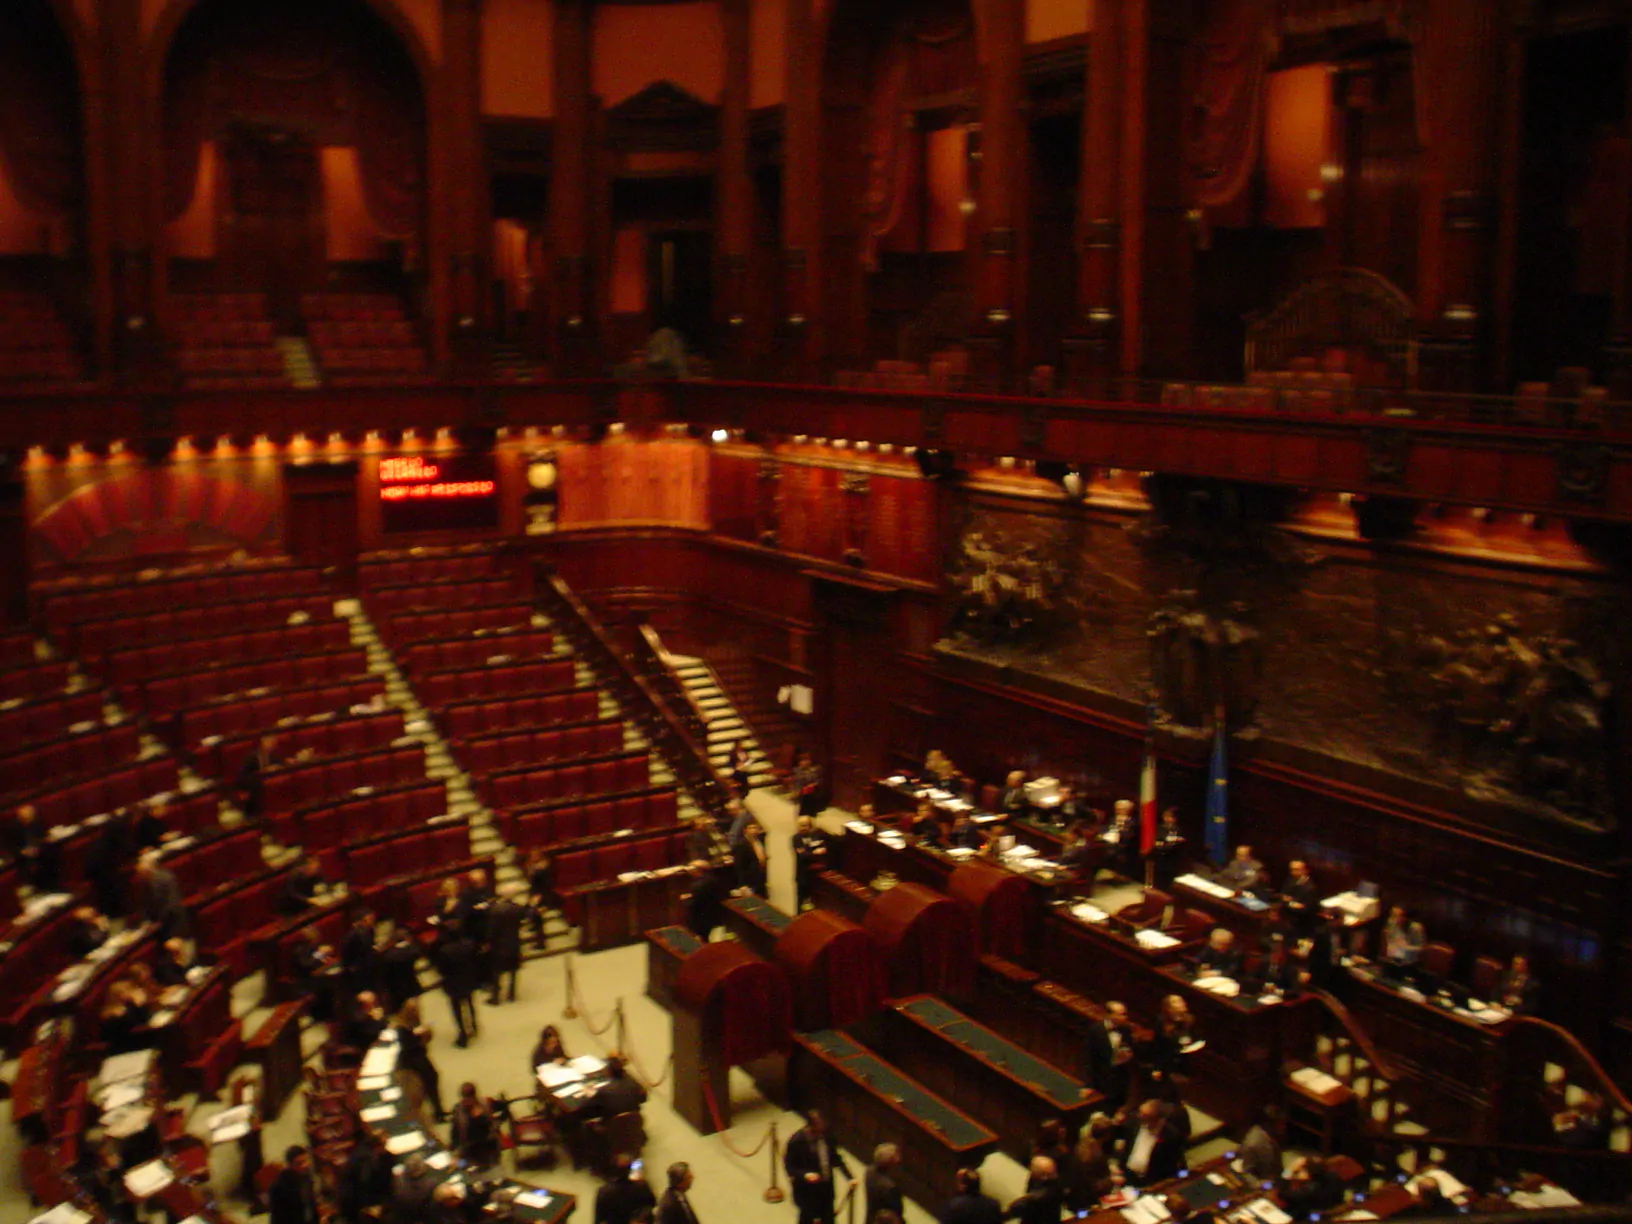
(299, 365)
(441, 763)
(725, 725)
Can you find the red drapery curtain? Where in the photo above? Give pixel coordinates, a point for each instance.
(325, 68)
(1232, 56)
(39, 108)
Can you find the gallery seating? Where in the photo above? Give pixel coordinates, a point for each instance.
(465, 651)
(405, 628)
(241, 713)
(35, 344)
(68, 756)
(138, 663)
(225, 341)
(69, 602)
(475, 716)
(296, 785)
(498, 750)
(177, 690)
(324, 737)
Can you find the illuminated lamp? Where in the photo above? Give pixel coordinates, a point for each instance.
(542, 472)
(720, 435)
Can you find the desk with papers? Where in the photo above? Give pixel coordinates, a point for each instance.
(383, 1105)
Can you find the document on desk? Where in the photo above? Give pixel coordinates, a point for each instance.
(442, 1160)
(63, 1213)
(553, 1076)
(120, 1067)
(1146, 1209)
(378, 1113)
(587, 1064)
(408, 1141)
(528, 1198)
(146, 1180)
(1268, 1212)
(371, 1083)
(381, 1060)
(1155, 939)
(231, 1124)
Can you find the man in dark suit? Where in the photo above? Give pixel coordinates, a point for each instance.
(251, 781)
(365, 1178)
(620, 1094)
(399, 969)
(1151, 1151)
(504, 917)
(300, 889)
(1044, 1197)
(1109, 1055)
(1220, 958)
(675, 1206)
(292, 1197)
(457, 959)
(366, 1023)
(618, 1200)
(1301, 897)
(475, 897)
(105, 863)
(969, 1205)
(358, 964)
(411, 1191)
(705, 905)
(160, 898)
(810, 1161)
(883, 1194)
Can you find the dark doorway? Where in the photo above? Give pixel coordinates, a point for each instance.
(273, 239)
(854, 680)
(680, 280)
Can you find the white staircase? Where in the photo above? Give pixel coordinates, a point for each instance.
(725, 725)
(299, 364)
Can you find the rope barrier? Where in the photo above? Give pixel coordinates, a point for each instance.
(719, 1129)
(576, 1008)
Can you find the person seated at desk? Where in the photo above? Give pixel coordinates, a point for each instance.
(1013, 801)
(965, 834)
(1166, 849)
(90, 930)
(1076, 848)
(1279, 973)
(300, 889)
(250, 784)
(366, 1022)
(38, 856)
(1519, 990)
(171, 964)
(1000, 837)
(315, 972)
(1220, 958)
(620, 1094)
(1300, 897)
(1322, 954)
(152, 828)
(1310, 1188)
(548, 1050)
(1150, 1149)
(1584, 1125)
(475, 1134)
(1402, 941)
(1067, 810)
(1243, 872)
(124, 1018)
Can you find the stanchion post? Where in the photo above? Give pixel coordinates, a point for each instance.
(773, 1192)
(569, 1011)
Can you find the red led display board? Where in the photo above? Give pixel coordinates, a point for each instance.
(438, 493)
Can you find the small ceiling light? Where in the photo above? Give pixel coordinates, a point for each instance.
(720, 435)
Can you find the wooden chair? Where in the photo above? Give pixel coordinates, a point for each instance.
(538, 1131)
(1147, 911)
(1437, 959)
(1487, 977)
(620, 1135)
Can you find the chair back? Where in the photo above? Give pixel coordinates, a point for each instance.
(1487, 977)
(1437, 958)
(625, 1134)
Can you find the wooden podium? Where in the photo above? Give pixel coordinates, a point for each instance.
(833, 969)
(1004, 906)
(730, 1007)
(928, 941)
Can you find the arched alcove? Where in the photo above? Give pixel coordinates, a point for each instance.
(293, 135)
(899, 143)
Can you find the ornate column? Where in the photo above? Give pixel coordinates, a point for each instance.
(461, 310)
(1003, 145)
(1461, 61)
(574, 343)
(1092, 351)
(734, 197)
(798, 335)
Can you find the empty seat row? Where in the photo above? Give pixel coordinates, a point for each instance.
(79, 601)
(398, 360)
(306, 782)
(364, 863)
(387, 600)
(573, 819)
(502, 680)
(69, 756)
(128, 666)
(238, 359)
(610, 775)
(160, 694)
(17, 650)
(24, 334)
(243, 714)
(456, 654)
(463, 719)
(214, 860)
(222, 333)
(74, 802)
(498, 750)
(218, 307)
(226, 921)
(237, 382)
(335, 820)
(581, 868)
(103, 634)
(39, 365)
(341, 736)
(397, 570)
(343, 306)
(40, 680)
(45, 718)
(382, 333)
(403, 628)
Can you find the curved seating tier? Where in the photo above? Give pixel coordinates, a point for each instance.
(399, 570)
(476, 650)
(123, 667)
(302, 783)
(34, 680)
(493, 751)
(500, 680)
(241, 714)
(176, 690)
(412, 596)
(70, 602)
(404, 628)
(74, 801)
(325, 825)
(610, 774)
(44, 718)
(324, 735)
(69, 756)
(124, 630)
(551, 825)
(478, 716)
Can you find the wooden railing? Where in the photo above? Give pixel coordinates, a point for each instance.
(664, 730)
(1530, 1101)
(1487, 1167)
(1380, 1078)
(653, 664)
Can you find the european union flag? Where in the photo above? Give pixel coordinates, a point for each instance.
(1218, 800)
